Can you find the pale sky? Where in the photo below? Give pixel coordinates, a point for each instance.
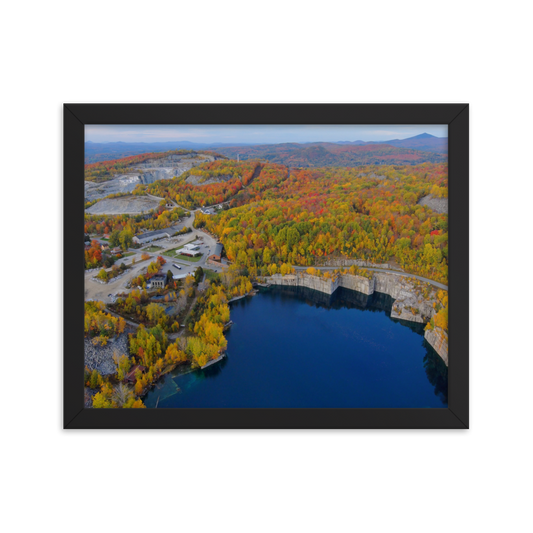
(257, 133)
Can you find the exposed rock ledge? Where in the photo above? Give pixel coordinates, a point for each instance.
(438, 338)
(413, 301)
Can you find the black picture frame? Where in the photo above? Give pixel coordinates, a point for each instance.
(76, 116)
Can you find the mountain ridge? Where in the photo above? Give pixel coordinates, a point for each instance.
(95, 152)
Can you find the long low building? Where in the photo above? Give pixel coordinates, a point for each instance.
(181, 276)
(149, 236)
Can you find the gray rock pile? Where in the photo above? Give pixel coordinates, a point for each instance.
(101, 357)
(439, 205)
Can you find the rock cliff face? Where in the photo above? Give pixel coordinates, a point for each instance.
(438, 338)
(358, 283)
(412, 302)
(311, 282)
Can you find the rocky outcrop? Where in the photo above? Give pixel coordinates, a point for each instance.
(410, 303)
(413, 301)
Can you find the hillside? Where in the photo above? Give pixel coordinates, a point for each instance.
(424, 142)
(332, 154)
(109, 169)
(123, 175)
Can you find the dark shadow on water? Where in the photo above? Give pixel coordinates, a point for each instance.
(415, 327)
(341, 299)
(437, 372)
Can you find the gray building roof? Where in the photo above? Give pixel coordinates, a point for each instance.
(149, 235)
(218, 249)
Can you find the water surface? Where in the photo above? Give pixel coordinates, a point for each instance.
(295, 347)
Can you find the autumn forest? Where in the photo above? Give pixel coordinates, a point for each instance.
(304, 216)
(295, 209)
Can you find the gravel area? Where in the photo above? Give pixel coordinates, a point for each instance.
(439, 205)
(127, 204)
(101, 357)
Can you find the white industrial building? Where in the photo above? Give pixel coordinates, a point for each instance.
(181, 276)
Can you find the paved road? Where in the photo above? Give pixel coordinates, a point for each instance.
(395, 272)
(99, 291)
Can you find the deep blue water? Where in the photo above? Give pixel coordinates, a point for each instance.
(294, 347)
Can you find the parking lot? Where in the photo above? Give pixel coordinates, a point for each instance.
(107, 292)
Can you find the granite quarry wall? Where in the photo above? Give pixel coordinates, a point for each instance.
(410, 303)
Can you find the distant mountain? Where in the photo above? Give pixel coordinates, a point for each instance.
(424, 136)
(332, 154)
(299, 154)
(424, 142)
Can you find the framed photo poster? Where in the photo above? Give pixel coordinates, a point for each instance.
(266, 266)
